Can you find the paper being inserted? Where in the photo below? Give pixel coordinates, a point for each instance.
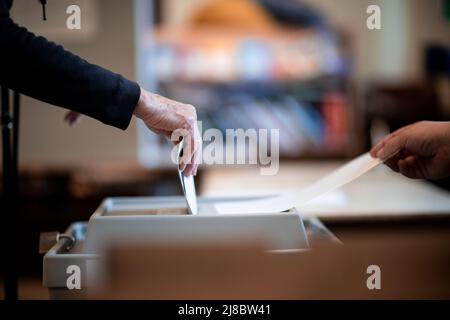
(188, 185)
(295, 199)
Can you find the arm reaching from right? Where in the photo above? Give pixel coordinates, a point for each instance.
(418, 151)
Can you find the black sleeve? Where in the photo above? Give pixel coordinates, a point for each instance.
(43, 70)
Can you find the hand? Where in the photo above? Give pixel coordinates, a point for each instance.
(420, 150)
(167, 117)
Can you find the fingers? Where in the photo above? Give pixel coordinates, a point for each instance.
(376, 149)
(393, 163)
(391, 150)
(188, 157)
(416, 151)
(175, 120)
(419, 139)
(189, 160)
(163, 133)
(191, 167)
(410, 167)
(390, 146)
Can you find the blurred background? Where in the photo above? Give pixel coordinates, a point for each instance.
(311, 68)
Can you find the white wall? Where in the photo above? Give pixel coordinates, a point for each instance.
(396, 50)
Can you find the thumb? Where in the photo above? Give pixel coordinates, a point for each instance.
(391, 146)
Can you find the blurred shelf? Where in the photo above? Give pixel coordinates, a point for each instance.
(296, 81)
(228, 55)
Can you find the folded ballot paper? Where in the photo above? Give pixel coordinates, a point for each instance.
(187, 184)
(296, 199)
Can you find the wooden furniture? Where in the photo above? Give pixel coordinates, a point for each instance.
(410, 267)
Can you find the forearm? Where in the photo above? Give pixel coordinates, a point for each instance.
(45, 71)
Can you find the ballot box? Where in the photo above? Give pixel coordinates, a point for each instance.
(74, 264)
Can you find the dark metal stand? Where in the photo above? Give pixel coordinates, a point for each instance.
(10, 139)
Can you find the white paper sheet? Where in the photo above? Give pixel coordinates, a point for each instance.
(296, 199)
(188, 186)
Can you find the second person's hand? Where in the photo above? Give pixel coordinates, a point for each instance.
(420, 150)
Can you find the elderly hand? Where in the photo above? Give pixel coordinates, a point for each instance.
(169, 118)
(420, 150)
(172, 119)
